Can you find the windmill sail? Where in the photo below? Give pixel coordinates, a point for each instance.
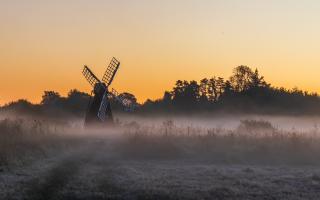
(88, 74)
(111, 71)
(103, 107)
(126, 103)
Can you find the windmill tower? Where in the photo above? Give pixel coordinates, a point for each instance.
(99, 108)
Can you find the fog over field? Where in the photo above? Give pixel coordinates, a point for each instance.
(297, 123)
(194, 157)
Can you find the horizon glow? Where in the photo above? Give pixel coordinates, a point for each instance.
(44, 44)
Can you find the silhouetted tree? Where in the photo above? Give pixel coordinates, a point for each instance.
(212, 90)
(76, 102)
(220, 86)
(166, 102)
(241, 78)
(204, 89)
(129, 96)
(257, 80)
(50, 98)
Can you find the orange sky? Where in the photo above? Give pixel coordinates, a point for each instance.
(44, 44)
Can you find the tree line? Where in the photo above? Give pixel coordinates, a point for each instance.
(245, 91)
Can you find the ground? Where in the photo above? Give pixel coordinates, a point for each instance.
(97, 170)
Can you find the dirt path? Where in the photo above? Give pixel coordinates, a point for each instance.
(98, 171)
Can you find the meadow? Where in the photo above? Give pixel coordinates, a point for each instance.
(41, 159)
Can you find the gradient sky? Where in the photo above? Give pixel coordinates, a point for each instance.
(44, 44)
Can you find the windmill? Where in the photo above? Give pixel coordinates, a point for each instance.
(99, 108)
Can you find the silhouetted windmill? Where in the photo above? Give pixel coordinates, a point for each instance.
(99, 109)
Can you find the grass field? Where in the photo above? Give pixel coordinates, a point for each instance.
(45, 160)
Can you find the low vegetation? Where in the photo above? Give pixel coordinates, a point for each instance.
(24, 140)
(253, 142)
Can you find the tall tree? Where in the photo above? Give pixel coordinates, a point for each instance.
(212, 90)
(241, 78)
(220, 86)
(178, 92)
(257, 80)
(204, 90)
(192, 92)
